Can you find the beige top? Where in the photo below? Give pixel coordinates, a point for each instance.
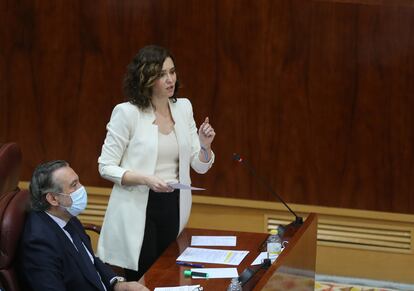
(167, 160)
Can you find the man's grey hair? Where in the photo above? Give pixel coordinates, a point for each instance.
(43, 182)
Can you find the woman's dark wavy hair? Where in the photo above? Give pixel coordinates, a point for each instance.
(142, 73)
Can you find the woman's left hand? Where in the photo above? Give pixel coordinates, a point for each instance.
(206, 134)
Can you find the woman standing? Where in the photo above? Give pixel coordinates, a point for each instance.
(151, 141)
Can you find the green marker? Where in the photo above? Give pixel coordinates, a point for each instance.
(188, 273)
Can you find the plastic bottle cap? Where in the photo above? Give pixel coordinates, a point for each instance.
(273, 231)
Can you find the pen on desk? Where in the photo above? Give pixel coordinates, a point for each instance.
(190, 264)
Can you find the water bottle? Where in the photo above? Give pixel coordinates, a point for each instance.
(274, 245)
(235, 285)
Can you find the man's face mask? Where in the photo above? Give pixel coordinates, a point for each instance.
(79, 201)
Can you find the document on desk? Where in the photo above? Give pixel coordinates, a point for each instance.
(260, 258)
(216, 273)
(183, 186)
(179, 288)
(213, 256)
(228, 241)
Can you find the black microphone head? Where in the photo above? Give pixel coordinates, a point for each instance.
(237, 157)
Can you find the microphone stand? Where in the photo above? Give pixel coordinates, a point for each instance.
(281, 229)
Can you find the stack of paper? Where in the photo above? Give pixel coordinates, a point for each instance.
(227, 257)
(179, 288)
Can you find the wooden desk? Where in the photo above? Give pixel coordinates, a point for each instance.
(298, 258)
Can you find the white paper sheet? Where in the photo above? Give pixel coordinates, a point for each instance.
(229, 241)
(227, 257)
(179, 288)
(262, 256)
(183, 186)
(217, 272)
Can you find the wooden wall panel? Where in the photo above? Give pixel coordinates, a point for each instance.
(316, 95)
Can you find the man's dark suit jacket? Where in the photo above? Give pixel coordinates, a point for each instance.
(49, 260)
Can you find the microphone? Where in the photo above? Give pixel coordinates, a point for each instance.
(298, 220)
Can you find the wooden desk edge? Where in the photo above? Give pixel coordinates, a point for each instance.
(310, 222)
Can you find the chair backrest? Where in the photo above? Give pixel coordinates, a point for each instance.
(13, 210)
(13, 207)
(10, 163)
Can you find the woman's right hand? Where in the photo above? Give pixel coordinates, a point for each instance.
(132, 178)
(157, 185)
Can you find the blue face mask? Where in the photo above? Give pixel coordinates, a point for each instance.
(79, 201)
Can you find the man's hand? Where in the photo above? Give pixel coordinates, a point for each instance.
(130, 286)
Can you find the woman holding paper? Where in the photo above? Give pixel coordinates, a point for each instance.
(151, 143)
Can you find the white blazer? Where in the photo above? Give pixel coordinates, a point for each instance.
(131, 143)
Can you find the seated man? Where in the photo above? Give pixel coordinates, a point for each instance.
(56, 253)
